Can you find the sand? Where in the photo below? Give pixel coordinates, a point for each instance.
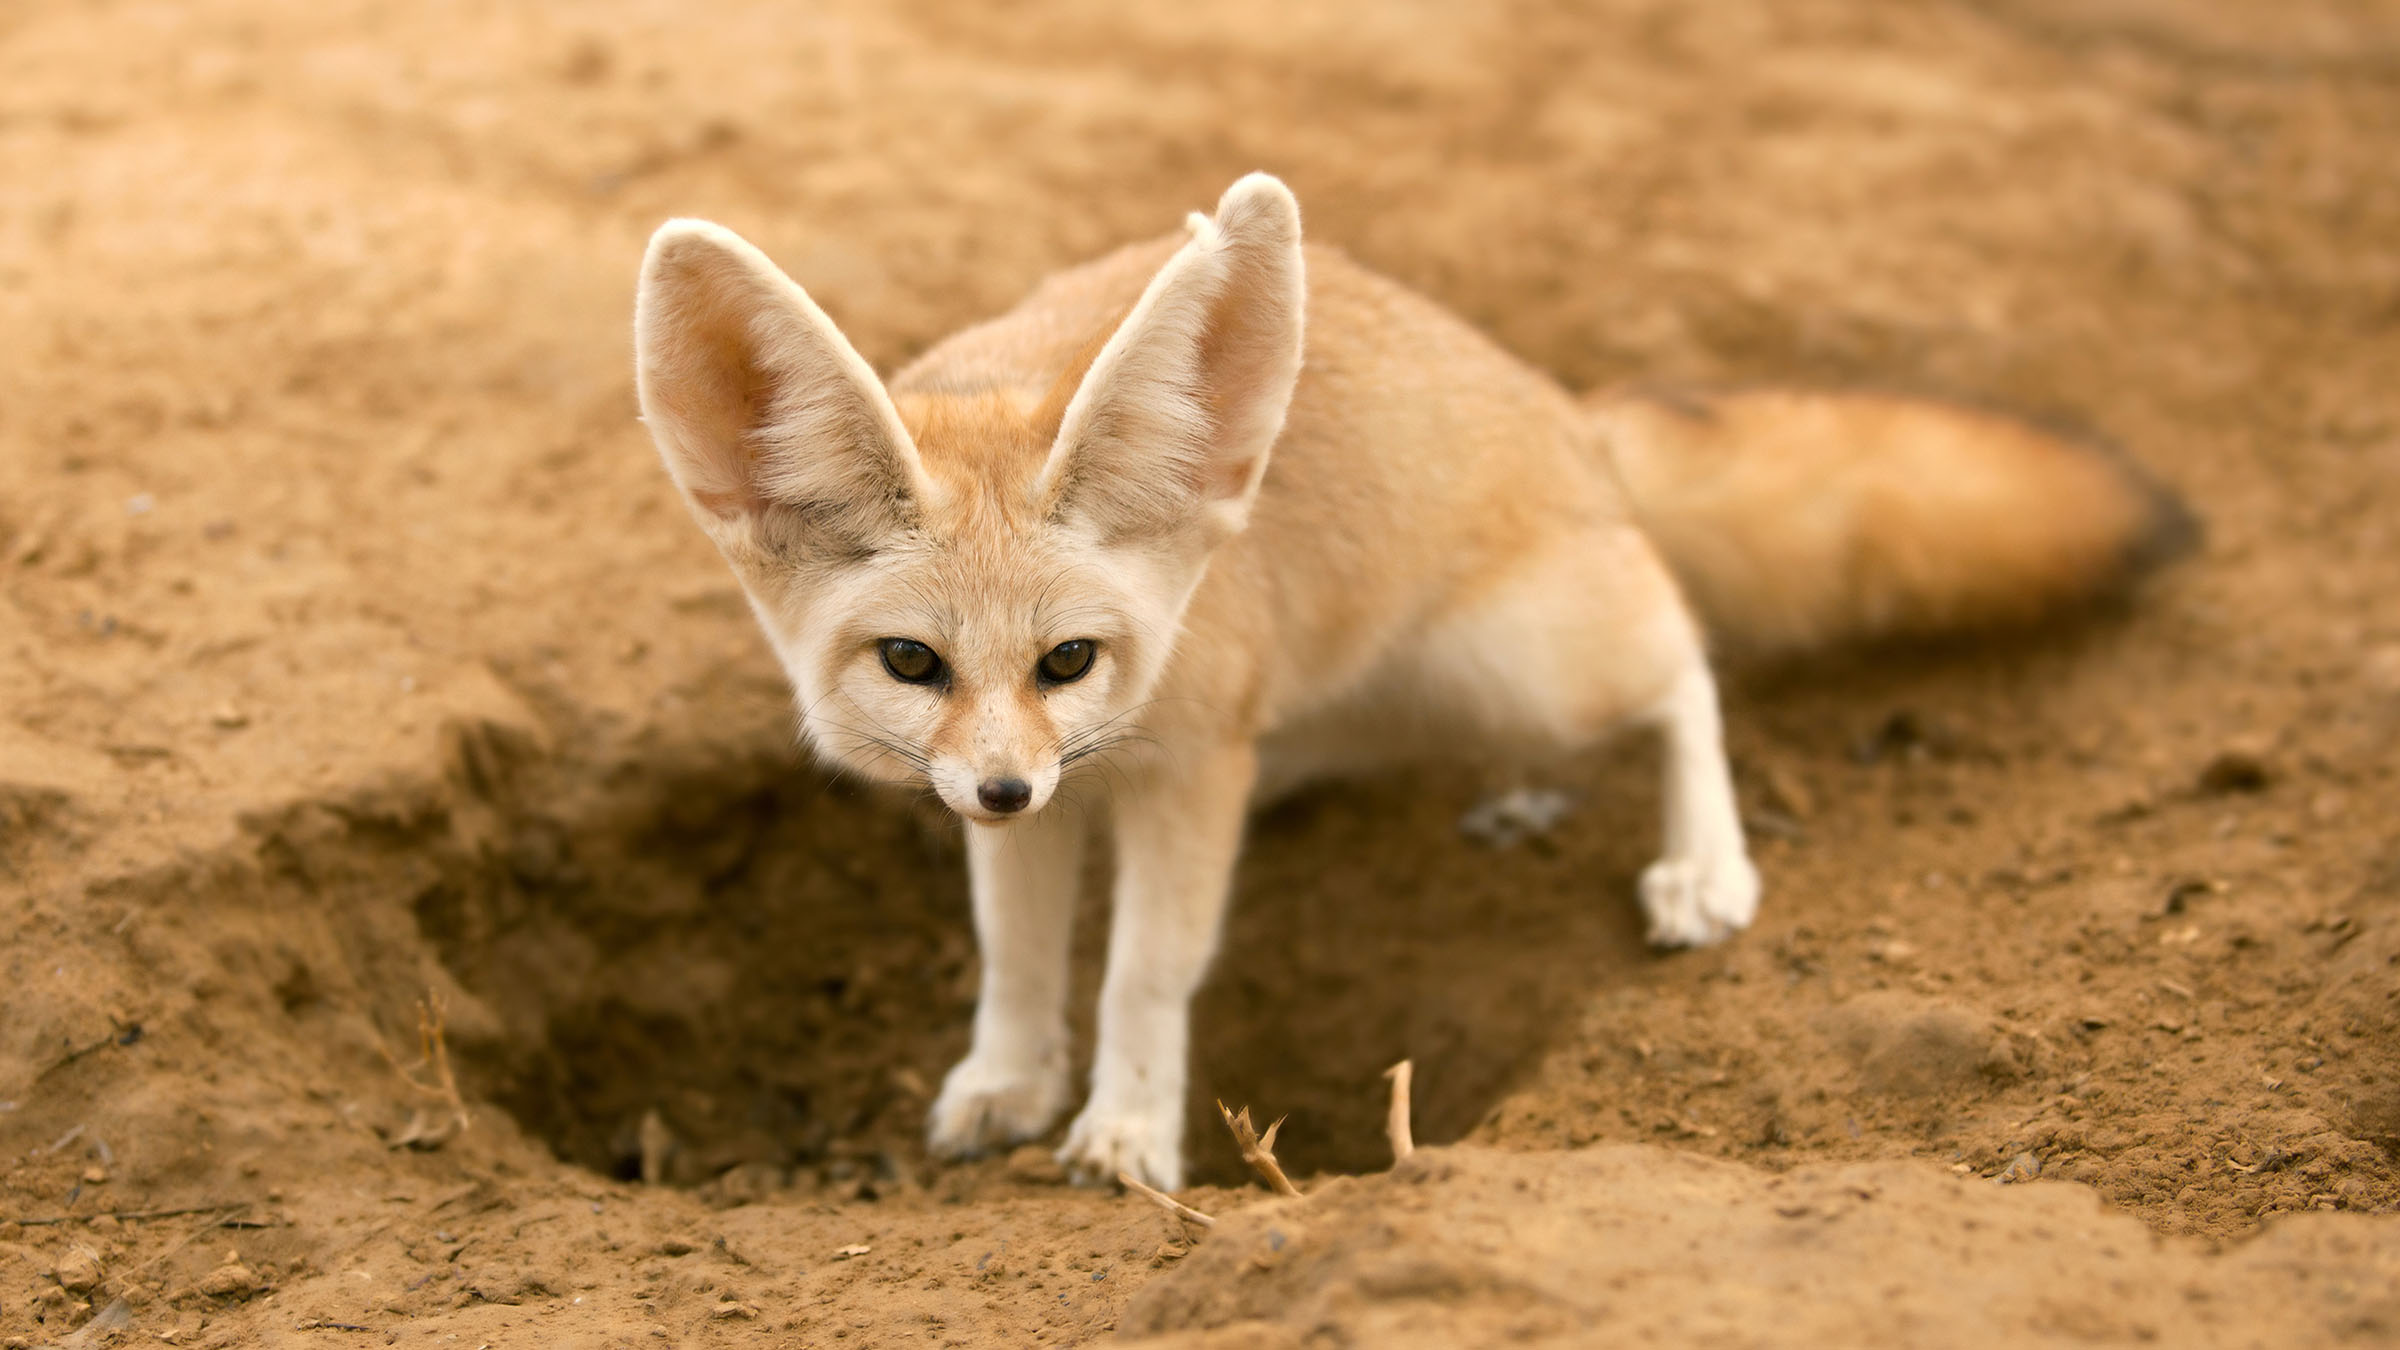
(355, 652)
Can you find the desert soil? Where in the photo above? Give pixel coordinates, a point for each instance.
(354, 651)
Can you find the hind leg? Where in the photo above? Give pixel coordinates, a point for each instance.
(1590, 637)
(1702, 889)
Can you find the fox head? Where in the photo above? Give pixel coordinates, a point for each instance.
(973, 590)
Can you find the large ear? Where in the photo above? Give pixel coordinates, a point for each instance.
(772, 424)
(1172, 424)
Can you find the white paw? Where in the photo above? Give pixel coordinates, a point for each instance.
(1145, 1144)
(986, 1105)
(1692, 902)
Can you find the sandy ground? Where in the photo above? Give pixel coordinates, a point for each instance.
(353, 647)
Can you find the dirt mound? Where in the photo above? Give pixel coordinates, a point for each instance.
(1636, 1243)
(355, 654)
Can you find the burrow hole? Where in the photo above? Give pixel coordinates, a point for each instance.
(762, 976)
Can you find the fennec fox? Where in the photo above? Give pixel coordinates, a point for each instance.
(1129, 525)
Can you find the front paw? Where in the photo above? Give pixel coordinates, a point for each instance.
(1692, 902)
(985, 1105)
(1144, 1143)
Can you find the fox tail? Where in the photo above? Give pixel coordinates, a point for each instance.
(1796, 519)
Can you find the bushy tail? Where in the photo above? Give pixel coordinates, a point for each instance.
(1795, 519)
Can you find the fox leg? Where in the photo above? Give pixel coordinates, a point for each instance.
(1014, 1081)
(1589, 638)
(1703, 888)
(1177, 835)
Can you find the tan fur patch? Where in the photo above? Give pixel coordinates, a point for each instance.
(984, 447)
(1798, 518)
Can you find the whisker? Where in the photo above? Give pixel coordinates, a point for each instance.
(885, 746)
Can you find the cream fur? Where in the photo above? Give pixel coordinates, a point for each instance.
(765, 414)
(1409, 544)
(1182, 405)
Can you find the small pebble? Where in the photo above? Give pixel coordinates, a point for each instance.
(231, 1280)
(79, 1269)
(2235, 771)
(1515, 816)
(1034, 1163)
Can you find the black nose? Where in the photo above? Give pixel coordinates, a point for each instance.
(1004, 794)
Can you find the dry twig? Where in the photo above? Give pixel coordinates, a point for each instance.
(1258, 1150)
(217, 1218)
(433, 1053)
(1164, 1201)
(130, 1215)
(128, 1033)
(1396, 1123)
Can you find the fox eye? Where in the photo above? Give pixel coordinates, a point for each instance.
(910, 662)
(1067, 662)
